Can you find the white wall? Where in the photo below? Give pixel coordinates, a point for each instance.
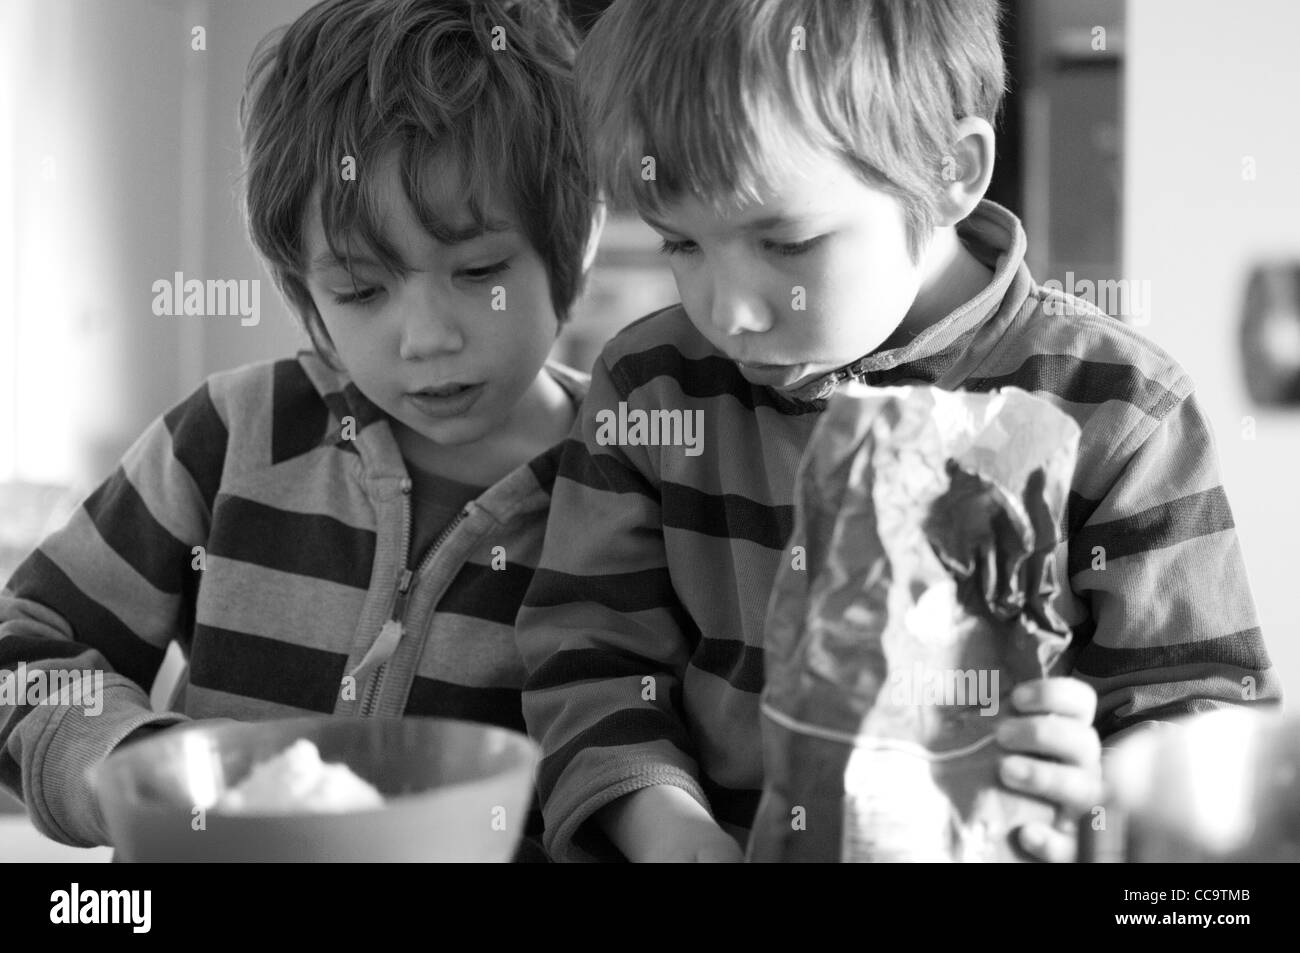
(234, 29)
(123, 152)
(1208, 84)
(95, 191)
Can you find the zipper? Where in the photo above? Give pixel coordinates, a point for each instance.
(395, 627)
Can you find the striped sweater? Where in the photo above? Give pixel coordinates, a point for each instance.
(252, 527)
(642, 629)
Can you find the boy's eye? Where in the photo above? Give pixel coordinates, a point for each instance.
(487, 271)
(794, 248)
(360, 296)
(672, 247)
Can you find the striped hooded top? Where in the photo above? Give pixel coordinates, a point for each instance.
(642, 630)
(264, 525)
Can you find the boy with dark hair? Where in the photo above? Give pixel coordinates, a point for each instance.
(351, 531)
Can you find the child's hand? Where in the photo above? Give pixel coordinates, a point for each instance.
(664, 824)
(696, 842)
(1056, 755)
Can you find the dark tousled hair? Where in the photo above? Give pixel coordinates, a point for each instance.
(485, 85)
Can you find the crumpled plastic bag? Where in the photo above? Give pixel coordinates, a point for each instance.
(921, 597)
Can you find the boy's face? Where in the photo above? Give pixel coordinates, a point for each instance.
(430, 349)
(814, 276)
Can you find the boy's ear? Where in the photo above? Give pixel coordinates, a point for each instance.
(593, 241)
(967, 170)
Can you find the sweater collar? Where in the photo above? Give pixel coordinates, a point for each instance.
(995, 237)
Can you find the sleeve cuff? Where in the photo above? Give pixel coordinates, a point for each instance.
(60, 800)
(567, 829)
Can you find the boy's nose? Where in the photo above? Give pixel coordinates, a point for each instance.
(428, 329)
(738, 309)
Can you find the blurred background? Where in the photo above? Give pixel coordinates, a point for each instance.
(1144, 141)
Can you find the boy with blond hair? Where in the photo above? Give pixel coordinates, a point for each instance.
(816, 170)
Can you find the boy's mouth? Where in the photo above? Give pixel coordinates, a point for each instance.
(446, 400)
(772, 375)
(445, 390)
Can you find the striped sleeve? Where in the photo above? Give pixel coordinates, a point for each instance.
(94, 609)
(604, 639)
(1173, 629)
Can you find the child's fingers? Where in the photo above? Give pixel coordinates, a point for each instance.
(1052, 736)
(1061, 696)
(1049, 844)
(1073, 789)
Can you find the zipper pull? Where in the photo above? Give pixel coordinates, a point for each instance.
(391, 632)
(403, 593)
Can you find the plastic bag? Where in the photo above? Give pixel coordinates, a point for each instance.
(921, 597)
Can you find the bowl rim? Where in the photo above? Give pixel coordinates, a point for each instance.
(103, 775)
